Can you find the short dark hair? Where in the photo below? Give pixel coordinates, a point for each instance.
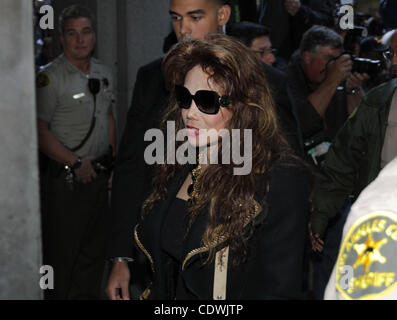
(246, 32)
(221, 2)
(73, 12)
(319, 36)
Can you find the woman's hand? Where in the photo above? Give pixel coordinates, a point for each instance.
(119, 280)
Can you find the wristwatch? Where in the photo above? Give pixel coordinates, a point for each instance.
(77, 164)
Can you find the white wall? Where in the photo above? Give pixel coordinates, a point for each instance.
(20, 232)
(130, 34)
(133, 41)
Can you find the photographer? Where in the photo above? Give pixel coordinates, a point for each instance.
(315, 79)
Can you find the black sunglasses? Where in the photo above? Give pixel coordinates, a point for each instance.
(207, 102)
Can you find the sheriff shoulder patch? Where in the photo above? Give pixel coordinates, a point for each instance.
(42, 81)
(370, 249)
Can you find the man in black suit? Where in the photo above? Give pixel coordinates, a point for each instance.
(132, 176)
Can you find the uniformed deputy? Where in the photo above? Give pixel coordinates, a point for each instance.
(76, 127)
(367, 263)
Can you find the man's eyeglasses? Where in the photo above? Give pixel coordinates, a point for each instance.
(389, 54)
(207, 101)
(265, 52)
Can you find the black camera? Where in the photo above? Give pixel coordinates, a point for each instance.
(371, 67)
(362, 65)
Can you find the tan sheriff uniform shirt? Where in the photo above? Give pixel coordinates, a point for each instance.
(366, 267)
(65, 102)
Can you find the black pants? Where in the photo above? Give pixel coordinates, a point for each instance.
(74, 228)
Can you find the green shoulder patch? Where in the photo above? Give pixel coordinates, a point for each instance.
(42, 81)
(369, 248)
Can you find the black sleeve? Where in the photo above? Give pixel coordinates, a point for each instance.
(285, 233)
(132, 176)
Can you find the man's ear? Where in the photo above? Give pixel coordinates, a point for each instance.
(224, 14)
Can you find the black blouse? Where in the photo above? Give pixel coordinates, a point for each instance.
(173, 230)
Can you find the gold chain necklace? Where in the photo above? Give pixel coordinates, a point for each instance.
(193, 190)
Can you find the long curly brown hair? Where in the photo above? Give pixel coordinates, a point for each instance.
(240, 74)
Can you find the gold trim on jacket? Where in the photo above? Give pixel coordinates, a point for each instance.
(220, 239)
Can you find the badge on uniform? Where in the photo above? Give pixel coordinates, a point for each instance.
(42, 81)
(369, 248)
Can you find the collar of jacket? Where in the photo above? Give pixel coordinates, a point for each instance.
(151, 245)
(193, 245)
(220, 241)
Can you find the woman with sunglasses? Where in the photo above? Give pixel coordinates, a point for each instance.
(206, 232)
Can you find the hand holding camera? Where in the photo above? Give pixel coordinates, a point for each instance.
(339, 69)
(356, 80)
